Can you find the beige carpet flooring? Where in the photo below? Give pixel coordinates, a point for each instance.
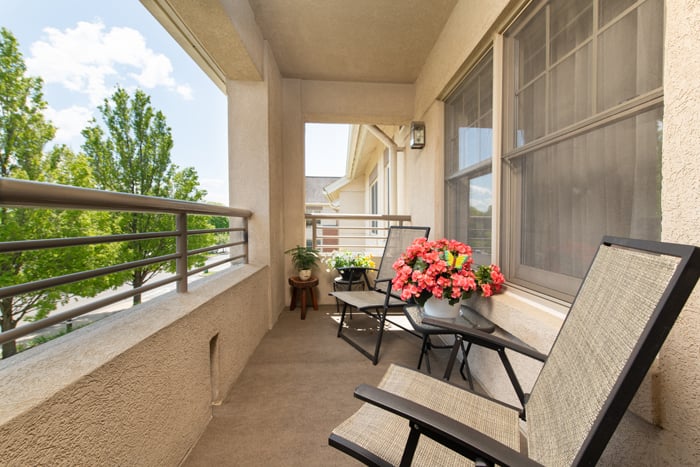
(297, 386)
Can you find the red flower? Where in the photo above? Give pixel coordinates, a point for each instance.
(443, 269)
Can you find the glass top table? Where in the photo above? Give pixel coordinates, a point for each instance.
(472, 327)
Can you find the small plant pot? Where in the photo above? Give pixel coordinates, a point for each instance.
(441, 308)
(348, 274)
(305, 274)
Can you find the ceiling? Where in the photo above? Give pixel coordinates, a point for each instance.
(383, 41)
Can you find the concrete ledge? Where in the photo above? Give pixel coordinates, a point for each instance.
(136, 387)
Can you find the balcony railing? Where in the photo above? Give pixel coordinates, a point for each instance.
(29, 194)
(328, 232)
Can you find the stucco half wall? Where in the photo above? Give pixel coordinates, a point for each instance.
(135, 388)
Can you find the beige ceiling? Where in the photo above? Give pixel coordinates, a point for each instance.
(351, 40)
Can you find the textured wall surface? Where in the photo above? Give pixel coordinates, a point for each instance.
(134, 388)
(678, 363)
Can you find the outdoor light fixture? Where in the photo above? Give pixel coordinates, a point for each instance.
(417, 135)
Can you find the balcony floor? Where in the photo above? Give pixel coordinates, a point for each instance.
(297, 386)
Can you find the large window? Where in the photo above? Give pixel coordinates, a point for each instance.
(469, 152)
(583, 105)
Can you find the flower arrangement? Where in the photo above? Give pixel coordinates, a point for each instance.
(443, 269)
(346, 259)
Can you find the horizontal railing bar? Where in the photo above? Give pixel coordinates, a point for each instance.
(48, 195)
(220, 230)
(79, 276)
(52, 319)
(24, 245)
(214, 247)
(351, 237)
(350, 227)
(384, 217)
(199, 251)
(213, 264)
(345, 247)
(231, 244)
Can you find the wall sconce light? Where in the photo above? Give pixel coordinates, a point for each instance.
(417, 135)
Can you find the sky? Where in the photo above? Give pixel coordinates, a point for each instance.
(83, 49)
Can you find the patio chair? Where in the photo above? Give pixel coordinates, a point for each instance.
(625, 308)
(378, 299)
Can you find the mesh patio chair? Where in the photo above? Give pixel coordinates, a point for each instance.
(378, 299)
(625, 308)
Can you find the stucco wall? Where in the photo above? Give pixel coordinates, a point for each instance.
(678, 363)
(468, 27)
(134, 388)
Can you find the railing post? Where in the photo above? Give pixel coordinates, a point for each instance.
(314, 234)
(245, 239)
(181, 250)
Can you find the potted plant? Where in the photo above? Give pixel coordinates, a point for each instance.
(438, 274)
(304, 258)
(344, 260)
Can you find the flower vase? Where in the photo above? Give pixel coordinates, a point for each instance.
(441, 308)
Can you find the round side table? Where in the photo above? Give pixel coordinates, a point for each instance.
(302, 287)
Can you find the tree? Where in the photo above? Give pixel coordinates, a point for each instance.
(131, 154)
(23, 134)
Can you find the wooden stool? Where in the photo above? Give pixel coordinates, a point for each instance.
(301, 287)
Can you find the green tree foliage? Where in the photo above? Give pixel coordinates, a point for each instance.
(131, 154)
(23, 134)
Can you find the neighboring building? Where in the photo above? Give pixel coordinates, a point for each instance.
(317, 202)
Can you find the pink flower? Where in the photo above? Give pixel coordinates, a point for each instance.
(443, 269)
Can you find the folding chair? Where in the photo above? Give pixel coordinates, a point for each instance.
(625, 308)
(377, 300)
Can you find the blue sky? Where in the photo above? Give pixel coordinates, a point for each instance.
(84, 48)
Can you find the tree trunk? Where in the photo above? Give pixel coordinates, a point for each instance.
(137, 282)
(8, 348)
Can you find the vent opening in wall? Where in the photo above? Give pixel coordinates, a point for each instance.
(214, 370)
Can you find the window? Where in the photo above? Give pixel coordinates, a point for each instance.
(469, 151)
(583, 116)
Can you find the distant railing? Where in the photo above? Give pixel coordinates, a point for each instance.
(328, 232)
(29, 194)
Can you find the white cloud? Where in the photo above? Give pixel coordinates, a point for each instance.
(90, 59)
(185, 90)
(69, 123)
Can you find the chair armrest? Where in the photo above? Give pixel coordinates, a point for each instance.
(488, 340)
(445, 430)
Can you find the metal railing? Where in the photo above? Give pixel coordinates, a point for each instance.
(328, 232)
(29, 194)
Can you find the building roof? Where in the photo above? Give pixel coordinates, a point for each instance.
(314, 189)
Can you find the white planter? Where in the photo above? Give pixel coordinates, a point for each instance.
(305, 274)
(441, 308)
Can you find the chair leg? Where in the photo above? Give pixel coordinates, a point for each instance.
(456, 347)
(424, 351)
(465, 365)
(342, 320)
(380, 333)
(410, 448)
